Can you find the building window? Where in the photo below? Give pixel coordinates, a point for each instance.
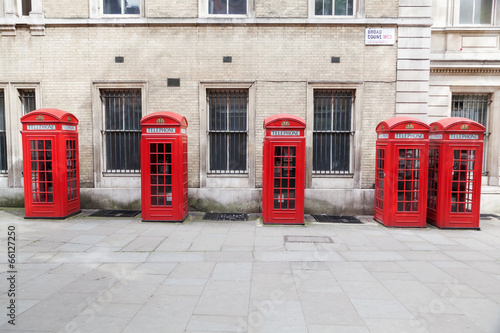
(26, 7)
(231, 7)
(121, 7)
(476, 11)
(3, 136)
(227, 131)
(334, 7)
(474, 107)
(332, 132)
(122, 111)
(28, 100)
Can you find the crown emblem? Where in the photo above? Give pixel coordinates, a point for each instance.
(69, 118)
(410, 126)
(40, 118)
(464, 127)
(285, 123)
(160, 121)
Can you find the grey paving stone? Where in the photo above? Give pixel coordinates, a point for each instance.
(483, 311)
(373, 290)
(193, 270)
(330, 309)
(233, 256)
(269, 316)
(208, 242)
(154, 268)
(260, 267)
(336, 328)
(274, 286)
(381, 308)
(44, 285)
(167, 289)
(106, 309)
(297, 256)
(392, 325)
(425, 271)
(95, 324)
(350, 271)
(87, 239)
(135, 288)
(169, 246)
(216, 323)
(448, 323)
(157, 315)
(232, 271)
(143, 244)
(176, 257)
(371, 255)
(224, 298)
(42, 317)
(105, 257)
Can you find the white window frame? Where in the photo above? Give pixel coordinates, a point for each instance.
(203, 11)
(96, 8)
(230, 180)
(327, 181)
(312, 10)
(101, 178)
(455, 8)
(13, 128)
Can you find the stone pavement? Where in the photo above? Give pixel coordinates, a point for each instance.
(87, 274)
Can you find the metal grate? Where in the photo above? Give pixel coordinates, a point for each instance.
(3, 136)
(489, 217)
(122, 130)
(226, 216)
(332, 133)
(473, 107)
(336, 219)
(227, 131)
(28, 101)
(115, 213)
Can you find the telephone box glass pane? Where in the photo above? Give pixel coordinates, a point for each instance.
(284, 177)
(161, 174)
(433, 177)
(379, 181)
(41, 171)
(462, 180)
(71, 169)
(408, 180)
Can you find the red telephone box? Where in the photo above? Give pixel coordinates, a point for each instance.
(284, 170)
(164, 167)
(51, 168)
(455, 170)
(401, 172)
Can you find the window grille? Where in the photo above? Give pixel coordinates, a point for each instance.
(227, 131)
(474, 107)
(122, 130)
(333, 132)
(333, 7)
(122, 7)
(28, 102)
(232, 7)
(3, 136)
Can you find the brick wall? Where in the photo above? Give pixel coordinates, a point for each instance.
(280, 60)
(381, 8)
(281, 8)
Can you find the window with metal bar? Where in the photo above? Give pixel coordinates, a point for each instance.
(121, 7)
(227, 7)
(474, 107)
(333, 132)
(28, 101)
(333, 7)
(122, 130)
(476, 11)
(227, 131)
(3, 136)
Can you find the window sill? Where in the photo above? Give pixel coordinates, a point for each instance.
(227, 175)
(110, 174)
(332, 176)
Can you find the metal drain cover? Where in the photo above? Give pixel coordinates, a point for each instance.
(308, 239)
(336, 219)
(115, 213)
(226, 216)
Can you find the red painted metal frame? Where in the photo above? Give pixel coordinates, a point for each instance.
(164, 129)
(457, 178)
(50, 164)
(401, 181)
(278, 128)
